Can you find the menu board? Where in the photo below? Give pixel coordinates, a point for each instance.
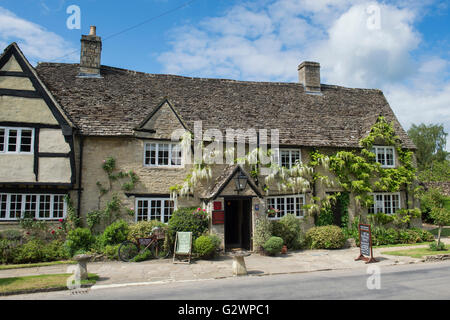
(365, 244)
(364, 233)
(184, 243)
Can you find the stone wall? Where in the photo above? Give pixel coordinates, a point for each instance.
(129, 155)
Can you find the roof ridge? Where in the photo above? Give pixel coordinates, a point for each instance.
(129, 71)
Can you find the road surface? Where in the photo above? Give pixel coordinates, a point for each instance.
(415, 281)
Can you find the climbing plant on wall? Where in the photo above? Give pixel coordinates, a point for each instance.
(355, 171)
(112, 207)
(358, 172)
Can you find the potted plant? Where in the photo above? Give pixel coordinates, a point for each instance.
(271, 212)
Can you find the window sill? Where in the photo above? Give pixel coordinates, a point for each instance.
(164, 167)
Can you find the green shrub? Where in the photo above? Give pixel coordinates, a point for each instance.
(386, 236)
(143, 256)
(325, 237)
(437, 247)
(115, 233)
(383, 236)
(425, 236)
(30, 252)
(54, 251)
(79, 240)
(111, 251)
(409, 236)
(263, 232)
(325, 217)
(289, 229)
(7, 250)
(142, 229)
(216, 240)
(273, 245)
(12, 234)
(205, 246)
(188, 220)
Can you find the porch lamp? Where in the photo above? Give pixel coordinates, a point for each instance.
(241, 181)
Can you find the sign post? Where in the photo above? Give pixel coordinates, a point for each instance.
(365, 244)
(183, 247)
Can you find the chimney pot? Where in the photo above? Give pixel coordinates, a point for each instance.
(309, 76)
(93, 31)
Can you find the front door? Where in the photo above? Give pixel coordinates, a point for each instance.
(238, 220)
(339, 208)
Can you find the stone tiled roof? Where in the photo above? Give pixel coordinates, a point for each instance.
(221, 181)
(122, 99)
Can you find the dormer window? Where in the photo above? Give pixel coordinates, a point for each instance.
(385, 156)
(16, 140)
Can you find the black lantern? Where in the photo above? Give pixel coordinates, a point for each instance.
(241, 181)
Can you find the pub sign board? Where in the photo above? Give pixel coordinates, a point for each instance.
(218, 217)
(365, 244)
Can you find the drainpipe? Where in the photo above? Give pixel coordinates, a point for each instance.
(80, 176)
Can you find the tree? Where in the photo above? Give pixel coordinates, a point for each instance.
(430, 141)
(441, 217)
(439, 171)
(435, 202)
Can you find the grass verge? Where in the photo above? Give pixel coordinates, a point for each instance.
(28, 284)
(34, 265)
(418, 252)
(403, 245)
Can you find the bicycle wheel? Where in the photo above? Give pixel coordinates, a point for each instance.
(160, 250)
(128, 250)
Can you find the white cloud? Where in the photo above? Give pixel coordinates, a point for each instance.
(36, 42)
(357, 55)
(266, 42)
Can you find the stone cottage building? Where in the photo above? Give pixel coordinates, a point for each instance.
(59, 122)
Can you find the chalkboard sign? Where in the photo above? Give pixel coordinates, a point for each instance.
(183, 245)
(365, 244)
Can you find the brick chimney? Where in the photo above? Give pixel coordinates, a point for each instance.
(91, 50)
(309, 76)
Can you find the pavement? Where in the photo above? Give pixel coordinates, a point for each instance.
(116, 274)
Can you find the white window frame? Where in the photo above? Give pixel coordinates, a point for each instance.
(300, 214)
(157, 144)
(277, 154)
(377, 150)
(18, 141)
(150, 199)
(383, 207)
(36, 210)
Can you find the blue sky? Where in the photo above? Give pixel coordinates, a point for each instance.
(401, 47)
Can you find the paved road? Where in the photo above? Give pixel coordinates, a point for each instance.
(417, 281)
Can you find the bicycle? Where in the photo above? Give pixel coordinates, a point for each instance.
(128, 250)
